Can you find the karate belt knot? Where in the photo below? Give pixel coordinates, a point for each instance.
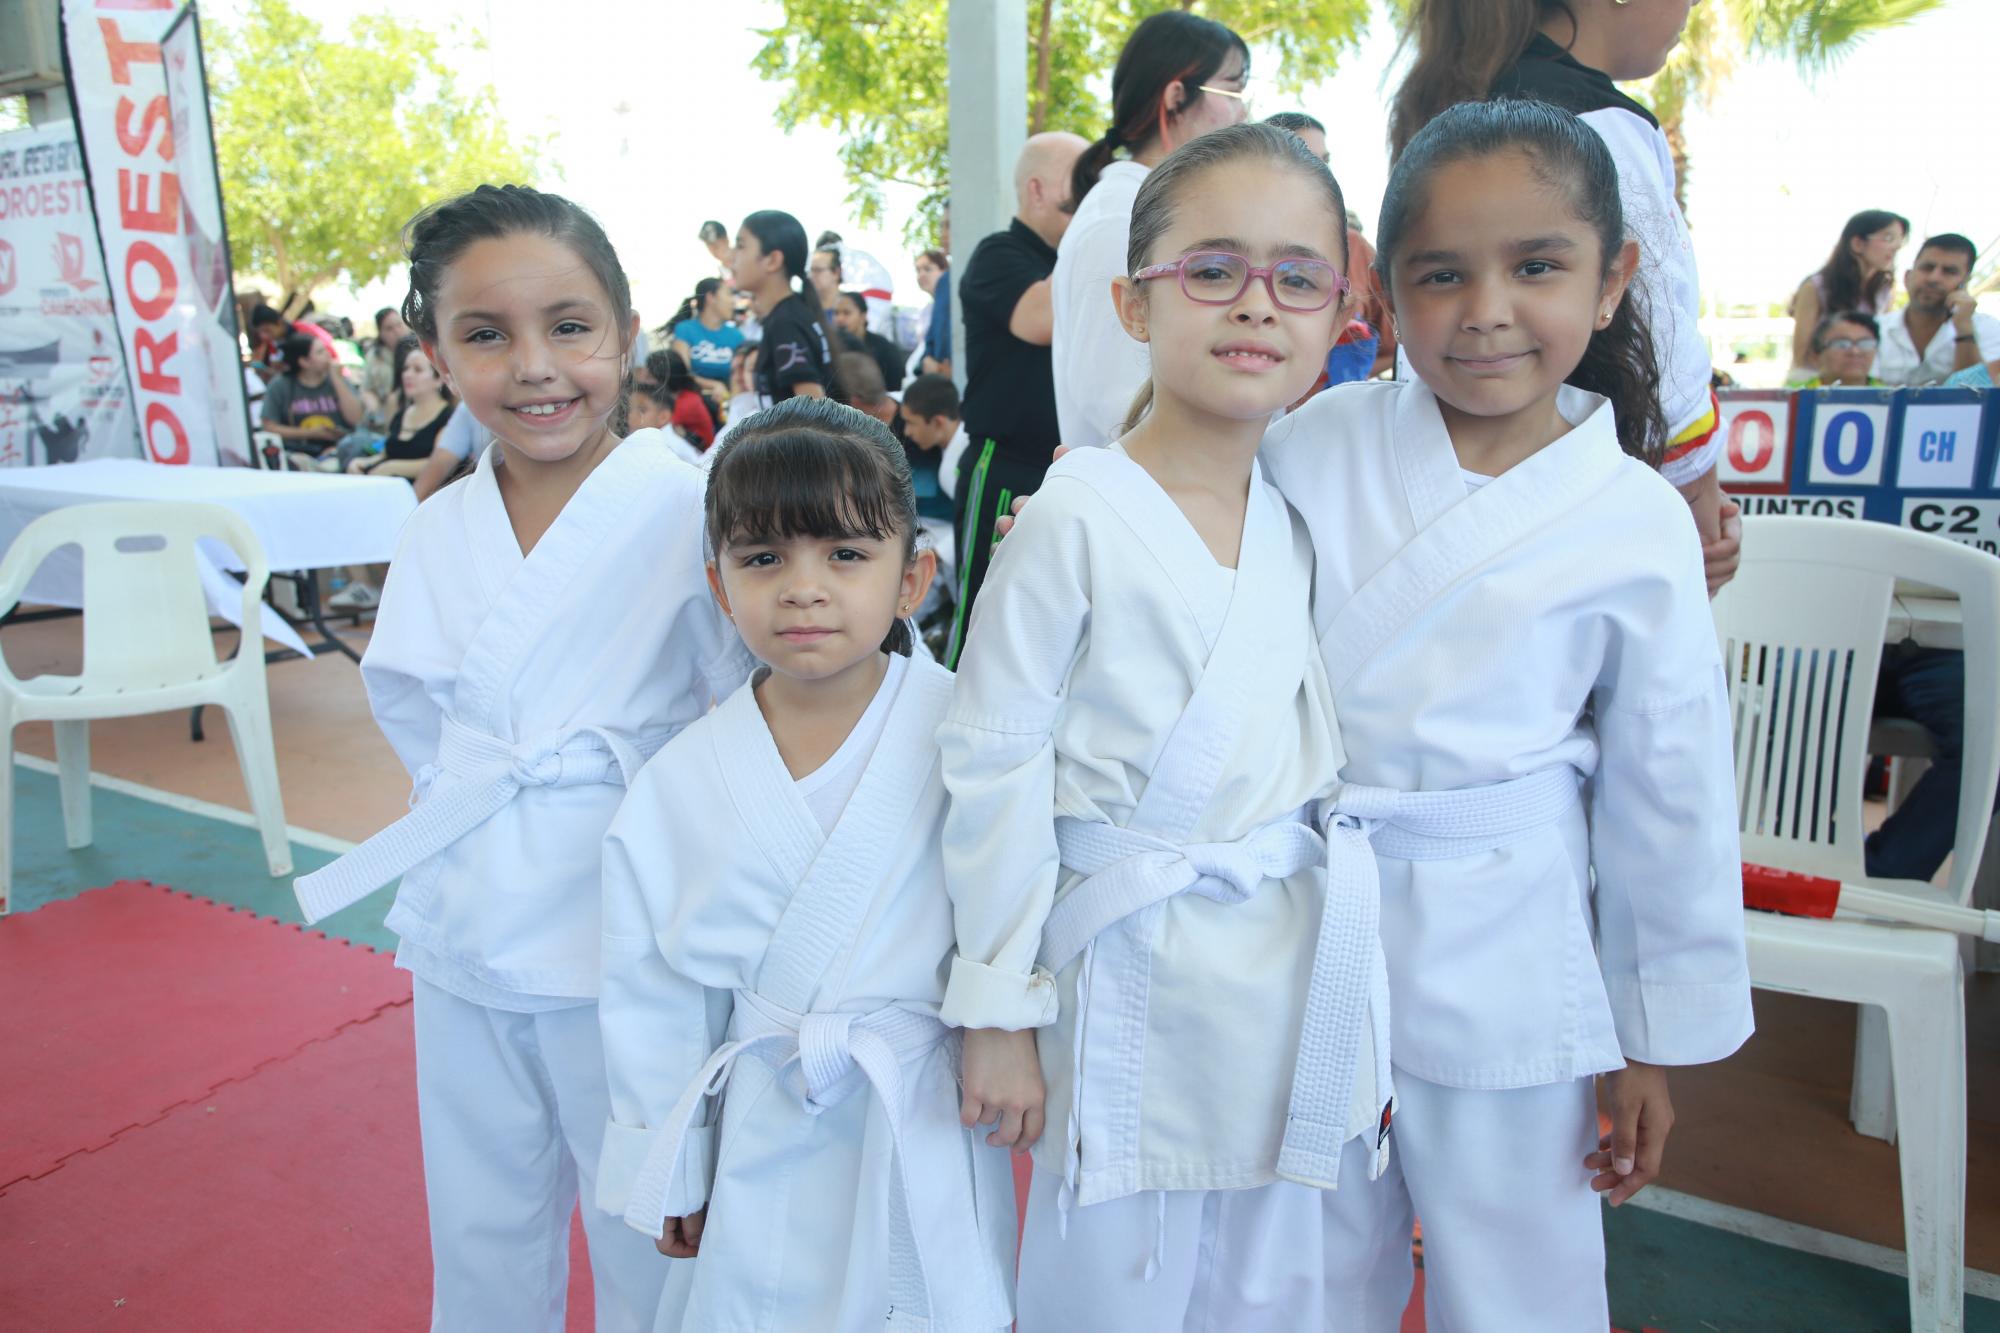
(491, 772)
(834, 1055)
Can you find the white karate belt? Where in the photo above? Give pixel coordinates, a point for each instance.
(1127, 871)
(491, 772)
(835, 1054)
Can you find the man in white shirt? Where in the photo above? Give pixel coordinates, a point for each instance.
(1940, 331)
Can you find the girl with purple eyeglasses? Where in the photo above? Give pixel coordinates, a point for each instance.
(1167, 971)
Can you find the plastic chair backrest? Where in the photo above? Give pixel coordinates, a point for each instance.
(145, 616)
(1801, 629)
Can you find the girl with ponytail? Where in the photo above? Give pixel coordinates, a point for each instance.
(702, 333)
(1511, 607)
(1178, 77)
(797, 355)
(1569, 53)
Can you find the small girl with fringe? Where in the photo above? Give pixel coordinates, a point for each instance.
(777, 934)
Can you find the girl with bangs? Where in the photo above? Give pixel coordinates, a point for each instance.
(777, 933)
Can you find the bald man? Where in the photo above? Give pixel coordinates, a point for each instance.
(1010, 391)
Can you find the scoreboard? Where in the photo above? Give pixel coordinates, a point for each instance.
(1927, 459)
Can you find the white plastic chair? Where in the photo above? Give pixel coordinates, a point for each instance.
(146, 649)
(1801, 631)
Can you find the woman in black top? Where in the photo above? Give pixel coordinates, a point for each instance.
(796, 359)
(423, 405)
(850, 317)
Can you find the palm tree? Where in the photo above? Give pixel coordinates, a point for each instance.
(1814, 34)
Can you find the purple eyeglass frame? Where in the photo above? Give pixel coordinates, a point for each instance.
(1179, 266)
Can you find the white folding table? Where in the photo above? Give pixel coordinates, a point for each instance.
(305, 520)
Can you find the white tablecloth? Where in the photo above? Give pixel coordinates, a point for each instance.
(305, 520)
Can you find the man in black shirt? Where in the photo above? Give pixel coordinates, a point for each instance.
(1010, 395)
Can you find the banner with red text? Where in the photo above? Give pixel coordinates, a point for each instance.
(63, 395)
(169, 278)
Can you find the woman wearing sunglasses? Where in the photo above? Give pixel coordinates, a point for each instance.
(1178, 77)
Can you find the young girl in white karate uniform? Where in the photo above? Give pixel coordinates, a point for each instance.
(1511, 607)
(1140, 730)
(776, 931)
(546, 626)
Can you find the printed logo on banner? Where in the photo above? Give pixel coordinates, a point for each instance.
(1939, 446)
(1757, 443)
(1848, 442)
(70, 261)
(9, 268)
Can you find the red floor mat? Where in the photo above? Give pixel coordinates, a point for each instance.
(123, 1003)
(292, 1199)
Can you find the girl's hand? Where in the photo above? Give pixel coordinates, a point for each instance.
(1005, 523)
(1002, 1081)
(1628, 1159)
(1721, 556)
(681, 1238)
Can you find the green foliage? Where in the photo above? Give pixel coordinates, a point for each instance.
(877, 74)
(327, 147)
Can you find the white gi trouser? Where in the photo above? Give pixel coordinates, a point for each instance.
(512, 1108)
(511, 1105)
(1281, 1258)
(1513, 1233)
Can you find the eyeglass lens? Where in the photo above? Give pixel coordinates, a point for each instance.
(1296, 284)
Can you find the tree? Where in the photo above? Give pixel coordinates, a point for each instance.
(1813, 34)
(326, 148)
(876, 73)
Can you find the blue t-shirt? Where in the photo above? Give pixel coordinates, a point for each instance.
(937, 341)
(710, 349)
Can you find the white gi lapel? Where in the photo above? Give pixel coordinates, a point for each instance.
(827, 908)
(760, 786)
(1457, 533)
(625, 480)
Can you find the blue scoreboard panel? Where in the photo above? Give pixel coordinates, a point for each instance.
(1927, 459)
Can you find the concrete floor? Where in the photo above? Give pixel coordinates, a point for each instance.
(1766, 1131)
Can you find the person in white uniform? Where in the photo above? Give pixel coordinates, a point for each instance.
(776, 932)
(545, 627)
(1154, 923)
(1510, 597)
(1178, 77)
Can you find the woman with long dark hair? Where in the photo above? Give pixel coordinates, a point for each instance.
(1178, 77)
(1859, 275)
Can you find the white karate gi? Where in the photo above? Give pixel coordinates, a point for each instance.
(521, 693)
(1548, 634)
(800, 971)
(1128, 706)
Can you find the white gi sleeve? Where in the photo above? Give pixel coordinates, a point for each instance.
(1663, 826)
(1667, 285)
(658, 1026)
(998, 753)
(1098, 367)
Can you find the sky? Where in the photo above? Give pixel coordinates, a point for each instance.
(656, 121)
